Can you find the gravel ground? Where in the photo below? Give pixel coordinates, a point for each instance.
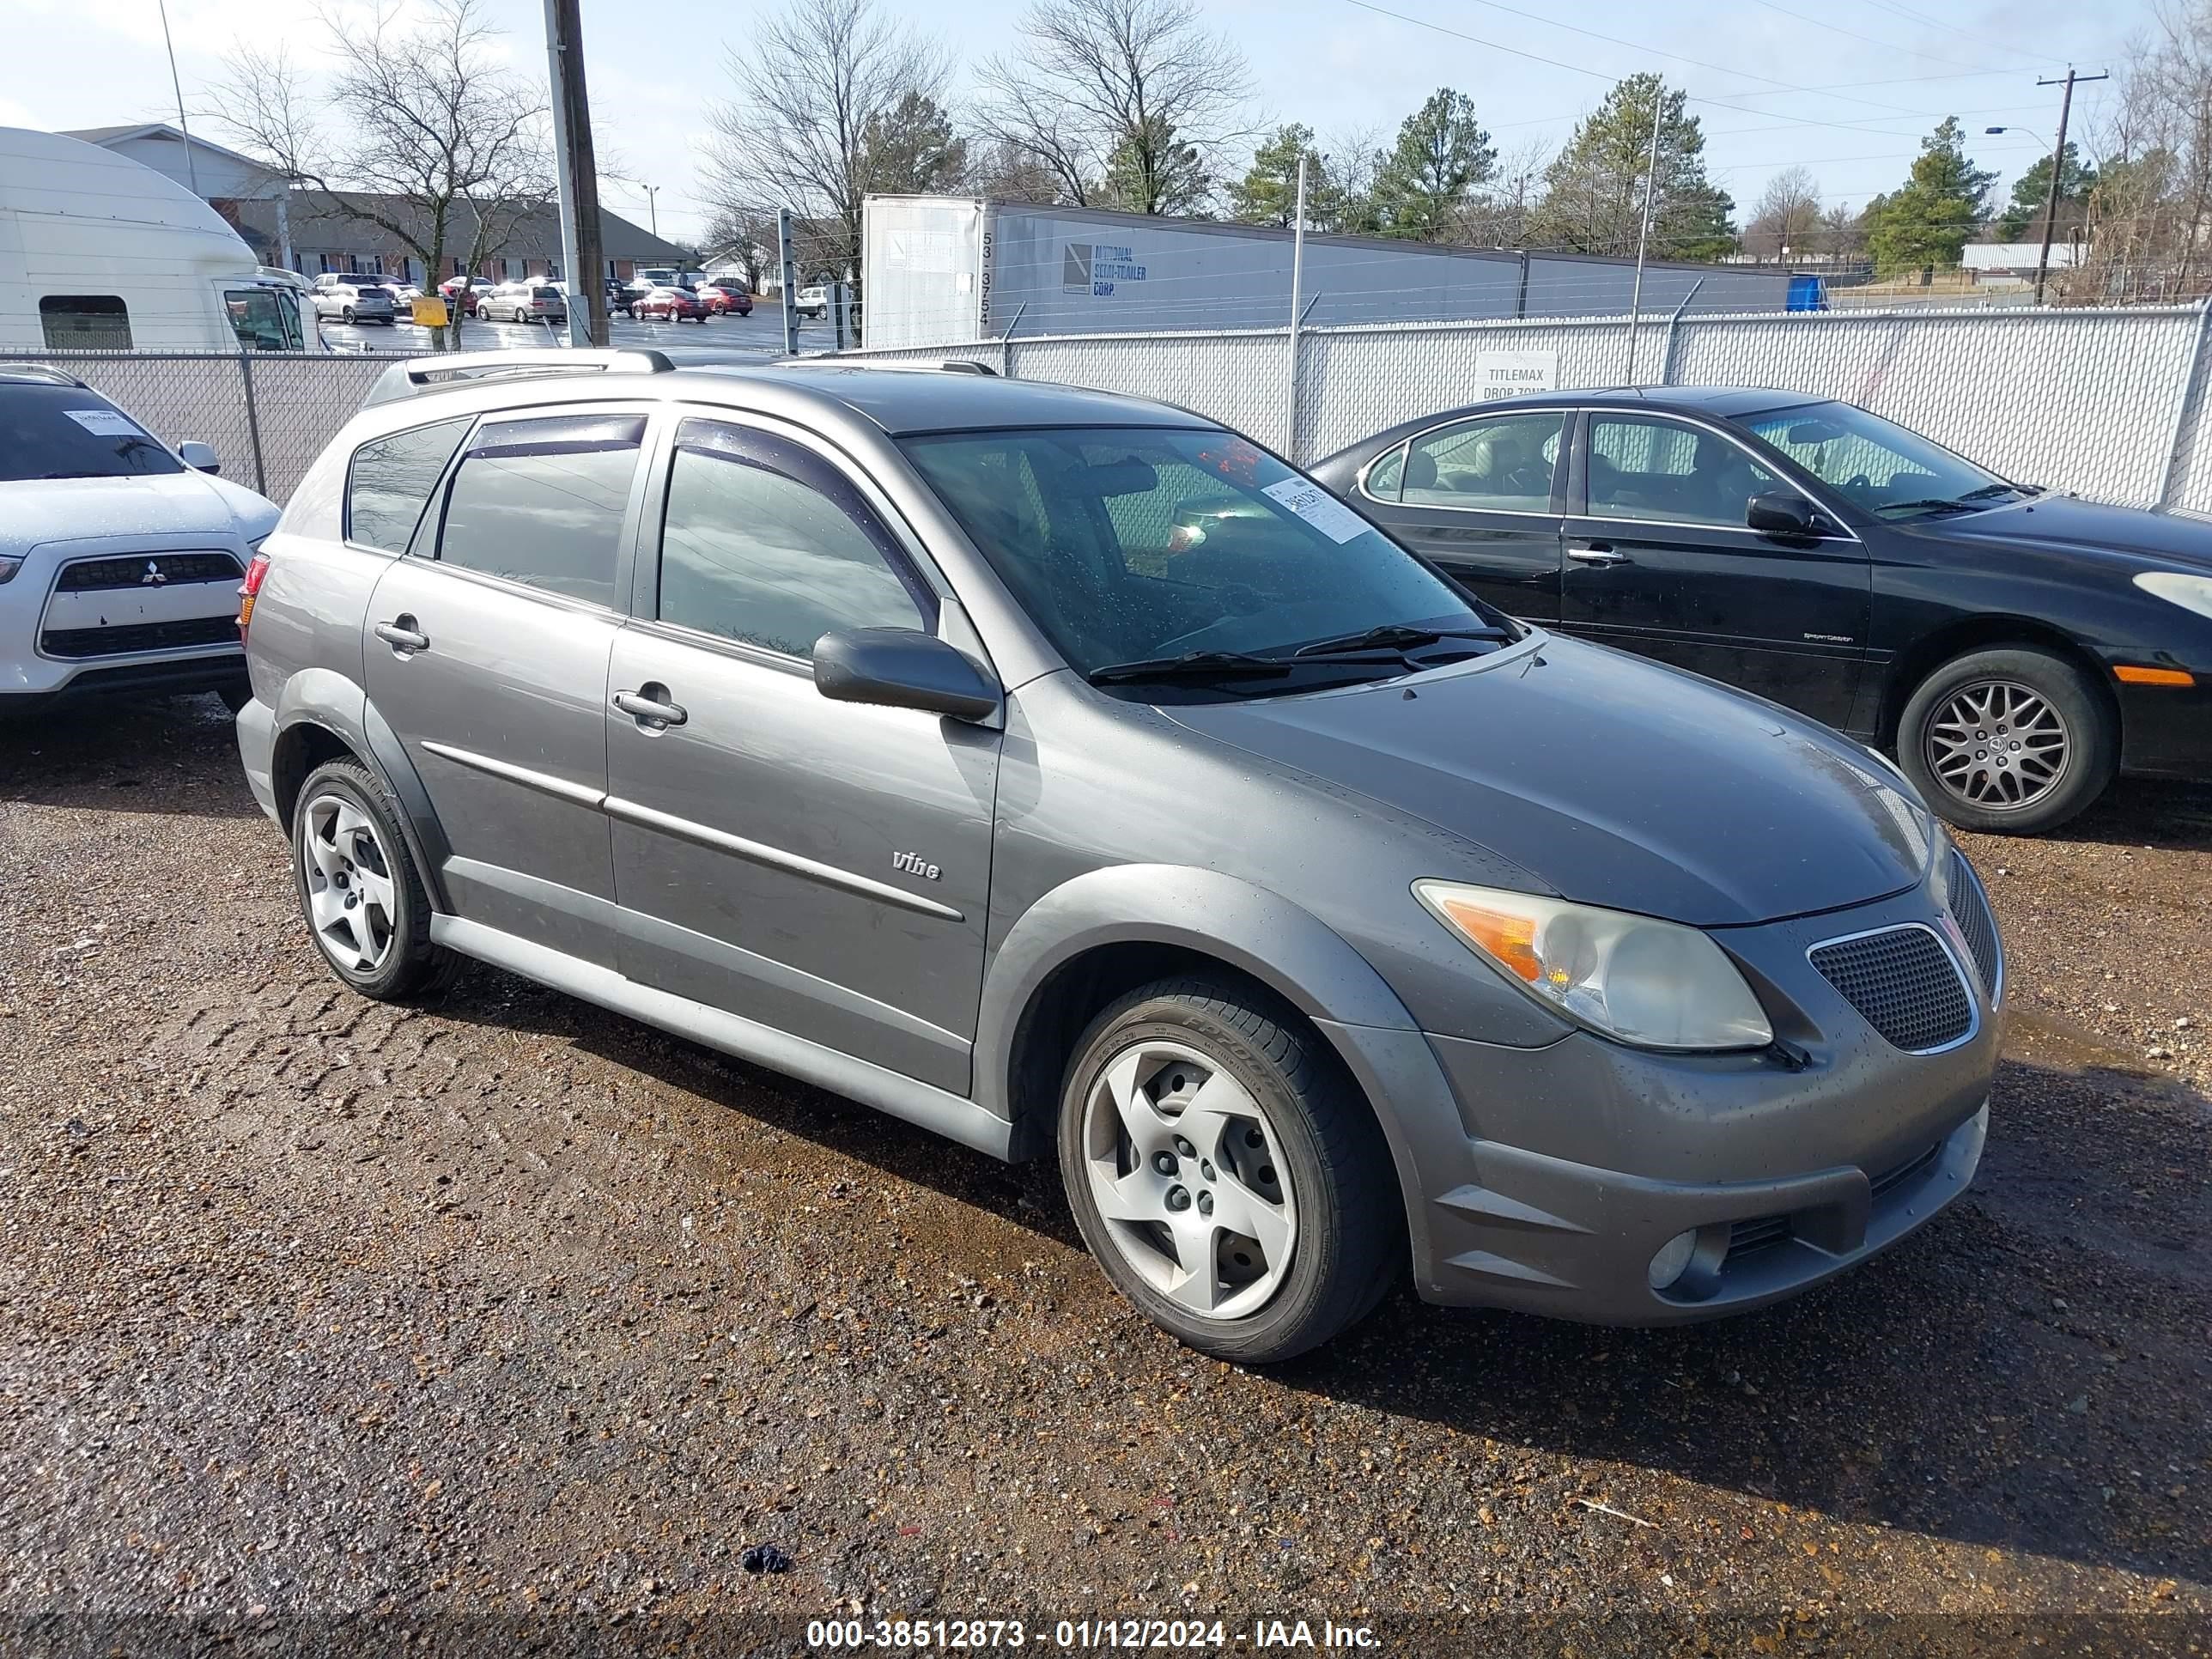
(507, 1323)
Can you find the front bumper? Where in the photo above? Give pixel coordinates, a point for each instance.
(1546, 1179)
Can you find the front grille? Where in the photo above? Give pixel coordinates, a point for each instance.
(1904, 983)
(139, 636)
(1970, 909)
(1757, 1234)
(1890, 1180)
(87, 575)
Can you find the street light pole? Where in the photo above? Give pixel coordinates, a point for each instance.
(653, 206)
(2058, 166)
(191, 169)
(1644, 234)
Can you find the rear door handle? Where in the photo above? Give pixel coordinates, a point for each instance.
(399, 634)
(1599, 553)
(650, 710)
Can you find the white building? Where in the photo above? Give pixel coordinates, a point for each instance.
(254, 200)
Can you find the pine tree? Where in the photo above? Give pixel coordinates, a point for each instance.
(1442, 154)
(1594, 200)
(1926, 221)
(2022, 221)
(1267, 194)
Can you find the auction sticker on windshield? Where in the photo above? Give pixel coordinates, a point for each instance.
(106, 422)
(1317, 507)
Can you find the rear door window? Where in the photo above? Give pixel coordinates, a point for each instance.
(1503, 464)
(391, 479)
(542, 501)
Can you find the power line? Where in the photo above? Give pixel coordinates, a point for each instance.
(1898, 8)
(1838, 28)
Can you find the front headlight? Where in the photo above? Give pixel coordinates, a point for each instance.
(2189, 592)
(8, 567)
(1656, 984)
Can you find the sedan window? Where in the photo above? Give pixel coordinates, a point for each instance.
(1878, 465)
(541, 503)
(1665, 472)
(1504, 464)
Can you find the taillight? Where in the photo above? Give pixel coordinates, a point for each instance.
(250, 589)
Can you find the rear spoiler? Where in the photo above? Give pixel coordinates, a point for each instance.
(422, 375)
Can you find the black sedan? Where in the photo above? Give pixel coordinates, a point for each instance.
(2014, 647)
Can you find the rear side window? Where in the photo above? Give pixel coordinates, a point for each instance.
(390, 481)
(541, 503)
(94, 322)
(1504, 463)
(767, 543)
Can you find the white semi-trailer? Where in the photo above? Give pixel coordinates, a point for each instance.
(937, 269)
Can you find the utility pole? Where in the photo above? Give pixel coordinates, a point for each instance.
(192, 169)
(1298, 280)
(790, 282)
(579, 174)
(1644, 234)
(653, 205)
(2058, 168)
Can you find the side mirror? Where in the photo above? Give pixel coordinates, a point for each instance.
(902, 668)
(200, 457)
(1782, 512)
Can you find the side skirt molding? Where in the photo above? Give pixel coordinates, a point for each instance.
(936, 1110)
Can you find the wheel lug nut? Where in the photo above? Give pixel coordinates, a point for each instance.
(1164, 1163)
(1185, 1147)
(1206, 1203)
(1206, 1169)
(1178, 1199)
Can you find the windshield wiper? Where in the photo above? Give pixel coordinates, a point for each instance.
(1396, 636)
(1191, 665)
(1933, 504)
(1987, 490)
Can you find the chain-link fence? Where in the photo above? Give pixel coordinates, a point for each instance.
(2107, 402)
(268, 414)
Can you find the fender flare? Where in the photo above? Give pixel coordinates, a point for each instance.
(324, 697)
(1260, 933)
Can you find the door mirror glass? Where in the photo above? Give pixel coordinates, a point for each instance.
(902, 668)
(200, 457)
(1782, 512)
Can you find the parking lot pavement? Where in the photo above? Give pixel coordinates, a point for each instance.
(312, 1310)
(718, 339)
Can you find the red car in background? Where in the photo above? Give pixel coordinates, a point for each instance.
(676, 305)
(719, 298)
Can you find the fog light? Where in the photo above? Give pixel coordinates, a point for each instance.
(1672, 1259)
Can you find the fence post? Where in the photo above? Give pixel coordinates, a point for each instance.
(1006, 343)
(252, 421)
(1666, 350)
(2187, 416)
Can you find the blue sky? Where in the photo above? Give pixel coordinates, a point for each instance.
(1846, 90)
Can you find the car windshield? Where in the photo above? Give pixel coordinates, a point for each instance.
(1134, 546)
(66, 432)
(1877, 464)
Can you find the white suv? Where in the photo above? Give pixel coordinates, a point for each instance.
(353, 297)
(119, 558)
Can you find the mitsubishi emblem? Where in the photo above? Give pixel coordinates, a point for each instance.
(153, 577)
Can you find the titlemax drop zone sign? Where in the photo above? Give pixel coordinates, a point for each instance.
(1510, 373)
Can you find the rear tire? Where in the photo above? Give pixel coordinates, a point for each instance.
(2015, 740)
(366, 904)
(1278, 1220)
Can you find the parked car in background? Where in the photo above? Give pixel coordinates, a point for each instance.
(353, 297)
(462, 293)
(722, 299)
(1065, 774)
(535, 302)
(673, 305)
(2014, 648)
(811, 302)
(120, 558)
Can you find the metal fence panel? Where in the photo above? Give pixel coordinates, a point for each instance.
(1241, 379)
(299, 402)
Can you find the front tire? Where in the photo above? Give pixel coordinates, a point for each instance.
(366, 904)
(1225, 1172)
(2011, 741)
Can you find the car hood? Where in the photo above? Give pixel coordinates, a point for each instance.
(1617, 781)
(166, 506)
(2064, 523)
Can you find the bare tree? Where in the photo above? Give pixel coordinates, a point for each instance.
(1786, 217)
(443, 146)
(833, 99)
(1500, 216)
(1129, 102)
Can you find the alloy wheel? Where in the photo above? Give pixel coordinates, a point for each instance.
(1189, 1179)
(352, 901)
(1997, 744)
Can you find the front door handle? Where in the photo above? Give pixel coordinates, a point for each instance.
(401, 635)
(649, 705)
(1598, 553)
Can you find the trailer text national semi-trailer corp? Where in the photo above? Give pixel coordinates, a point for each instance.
(937, 269)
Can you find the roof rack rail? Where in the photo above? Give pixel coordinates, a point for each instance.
(422, 375)
(46, 371)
